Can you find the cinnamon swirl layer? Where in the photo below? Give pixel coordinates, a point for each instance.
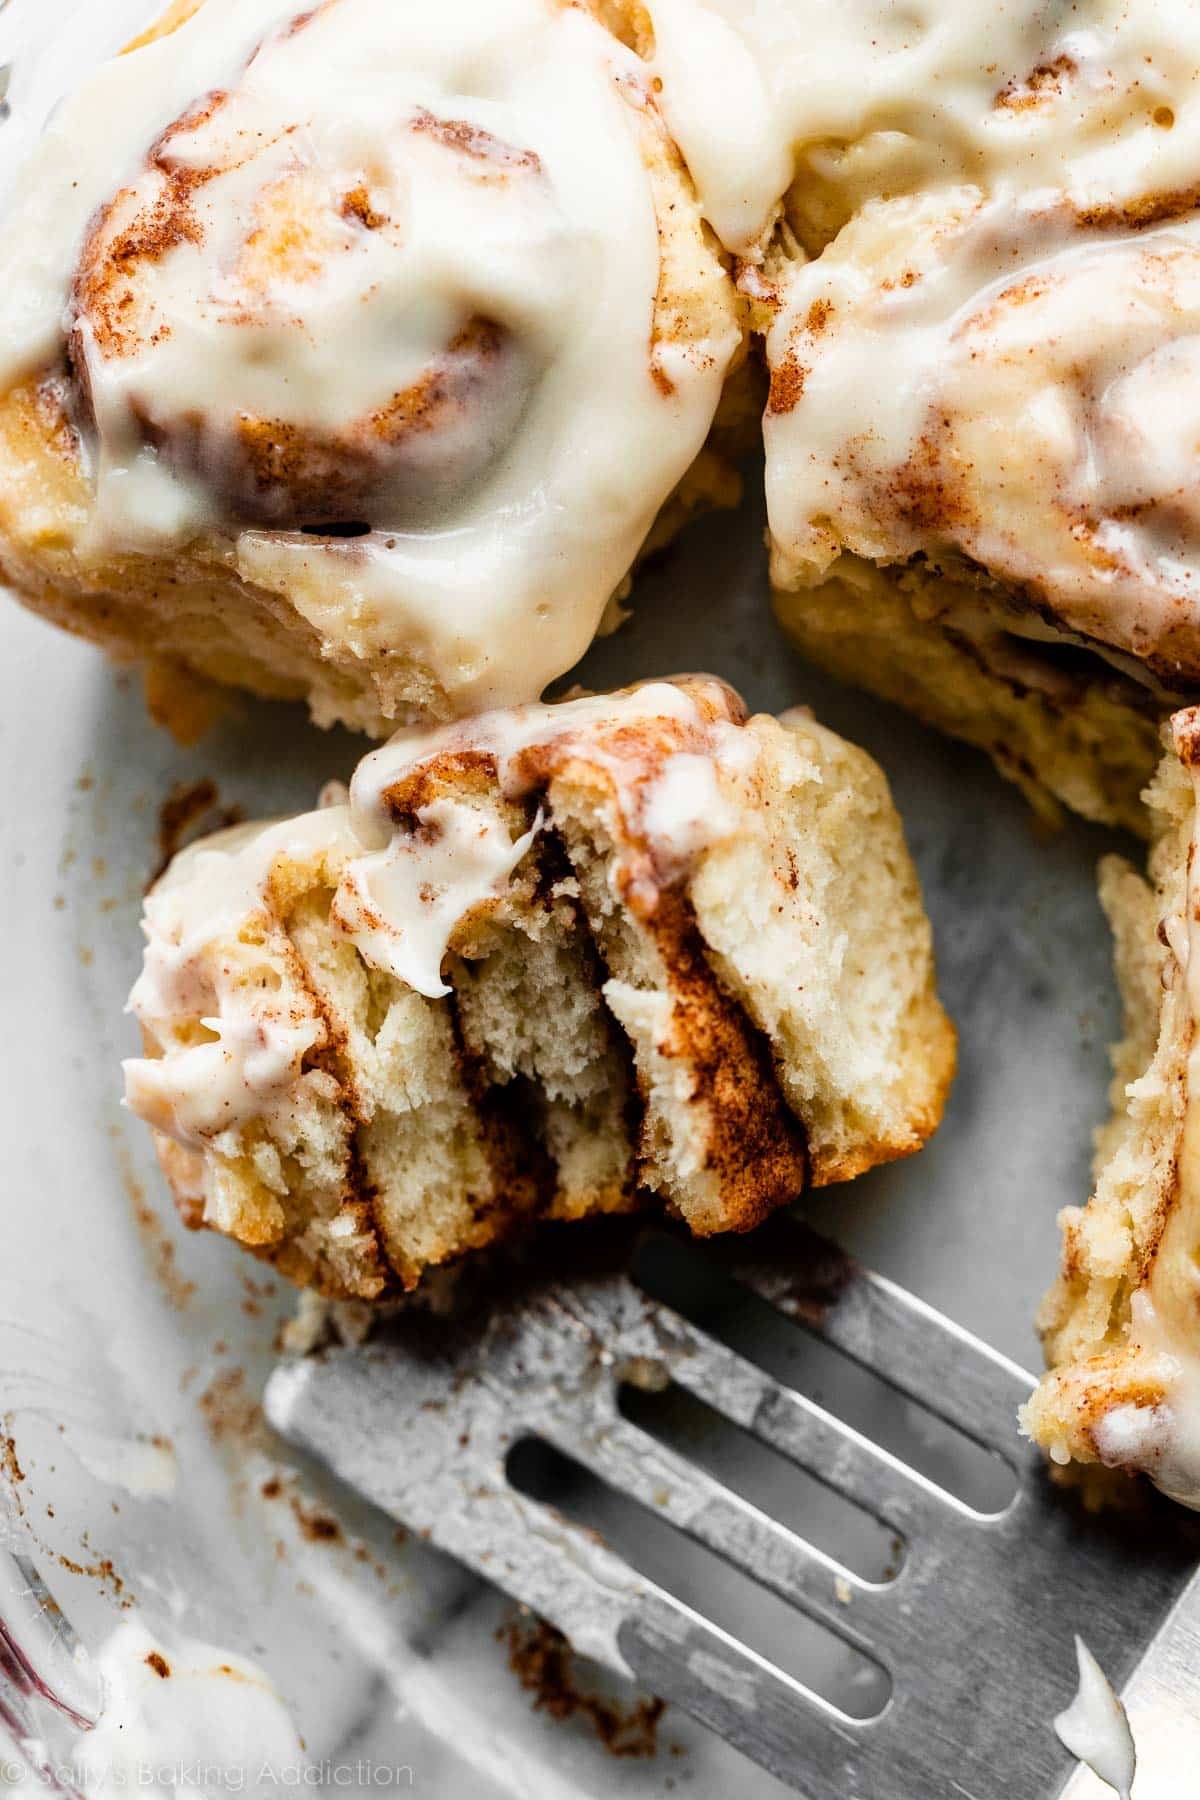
(383, 330)
(836, 102)
(1121, 1326)
(551, 962)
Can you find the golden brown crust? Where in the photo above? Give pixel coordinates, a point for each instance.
(1084, 741)
(919, 1126)
(177, 13)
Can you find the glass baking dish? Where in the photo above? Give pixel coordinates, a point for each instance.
(142, 1483)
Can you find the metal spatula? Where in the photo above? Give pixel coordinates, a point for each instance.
(973, 1628)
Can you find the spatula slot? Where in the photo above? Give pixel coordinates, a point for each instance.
(690, 1281)
(768, 1480)
(828, 1666)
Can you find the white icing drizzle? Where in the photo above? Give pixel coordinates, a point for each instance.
(209, 958)
(410, 277)
(684, 810)
(996, 379)
(1095, 1727)
(399, 907)
(419, 886)
(212, 1723)
(405, 882)
(887, 95)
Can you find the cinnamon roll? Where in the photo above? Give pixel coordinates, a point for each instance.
(352, 352)
(1121, 1326)
(817, 106)
(552, 962)
(981, 448)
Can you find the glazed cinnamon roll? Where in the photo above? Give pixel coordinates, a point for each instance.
(1121, 1326)
(352, 352)
(981, 453)
(818, 106)
(552, 962)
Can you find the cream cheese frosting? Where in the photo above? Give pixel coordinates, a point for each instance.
(1005, 386)
(1095, 1727)
(183, 1716)
(882, 96)
(210, 953)
(387, 269)
(408, 871)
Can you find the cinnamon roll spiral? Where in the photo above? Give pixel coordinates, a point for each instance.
(302, 337)
(1006, 391)
(402, 318)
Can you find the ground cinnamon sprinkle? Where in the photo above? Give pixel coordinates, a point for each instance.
(787, 385)
(8, 1459)
(544, 1664)
(317, 1527)
(231, 1412)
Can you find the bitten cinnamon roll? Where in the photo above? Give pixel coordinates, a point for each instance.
(352, 352)
(552, 962)
(1121, 1326)
(822, 105)
(982, 439)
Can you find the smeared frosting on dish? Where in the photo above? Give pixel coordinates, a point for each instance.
(1006, 387)
(884, 96)
(415, 853)
(392, 271)
(181, 1716)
